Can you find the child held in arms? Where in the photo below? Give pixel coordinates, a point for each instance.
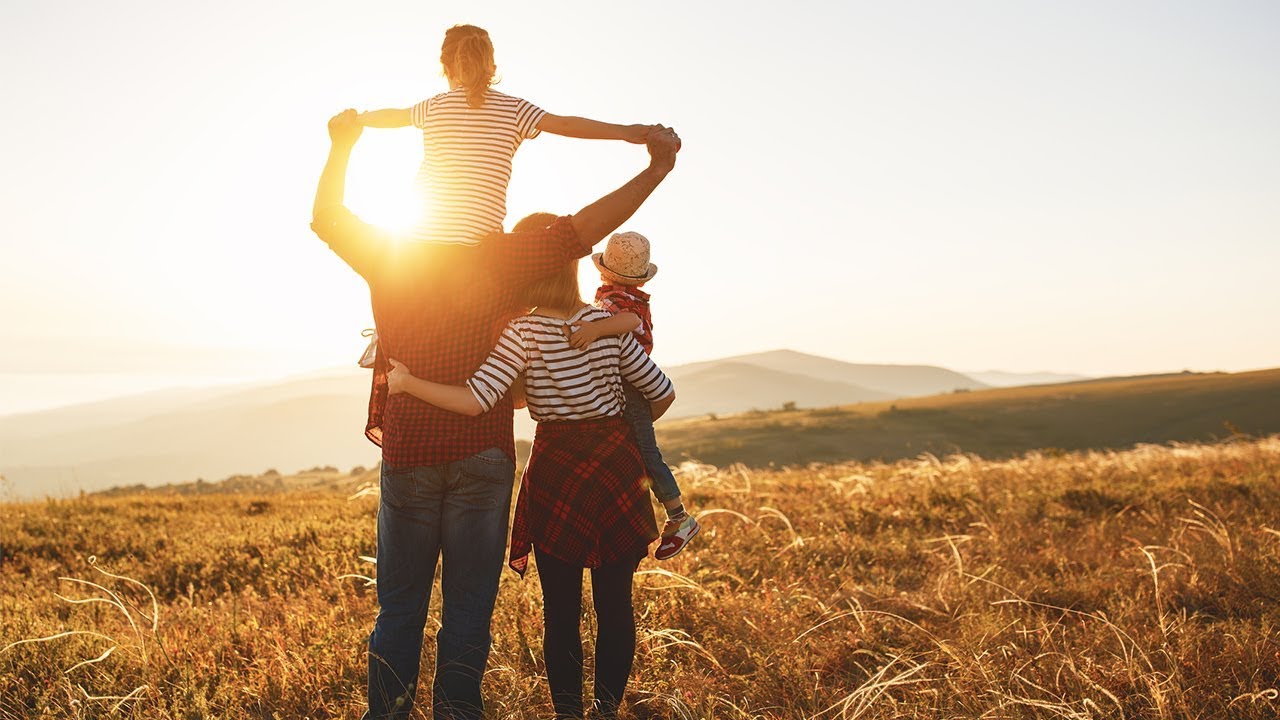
(624, 268)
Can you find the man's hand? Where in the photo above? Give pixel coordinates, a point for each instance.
(581, 339)
(603, 216)
(345, 128)
(396, 376)
(663, 144)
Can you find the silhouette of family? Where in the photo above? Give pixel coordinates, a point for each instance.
(471, 322)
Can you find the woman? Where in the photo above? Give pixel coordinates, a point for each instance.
(583, 500)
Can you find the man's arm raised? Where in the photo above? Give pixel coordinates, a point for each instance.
(520, 258)
(595, 221)
(344, 131)
(360, 245)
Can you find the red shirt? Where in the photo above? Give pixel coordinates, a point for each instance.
(616, 299)
(439, 310)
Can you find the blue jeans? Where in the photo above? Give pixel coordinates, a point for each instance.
(640, 417)
(459, 510)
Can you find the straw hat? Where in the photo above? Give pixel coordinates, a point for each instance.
(625, 259)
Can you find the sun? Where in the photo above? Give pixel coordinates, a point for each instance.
(380, 181)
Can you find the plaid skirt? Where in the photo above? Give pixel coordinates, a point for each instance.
(583, 497)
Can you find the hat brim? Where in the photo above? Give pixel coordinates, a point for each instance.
(611, 276)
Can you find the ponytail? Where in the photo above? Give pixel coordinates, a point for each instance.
(467, 56)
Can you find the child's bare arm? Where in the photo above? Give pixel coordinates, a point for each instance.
(583, 128)
(588, 332)
(388, 118)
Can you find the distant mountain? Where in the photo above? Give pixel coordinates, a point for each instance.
(102, 413)
(185, 444)
(999, 378)
(130, 408)
(186, 433)
(730, 387)
(887, 380)
(182, 434)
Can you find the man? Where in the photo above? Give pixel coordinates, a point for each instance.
(446, 478)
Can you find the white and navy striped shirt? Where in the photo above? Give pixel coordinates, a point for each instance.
(466, 162)
(562, 383)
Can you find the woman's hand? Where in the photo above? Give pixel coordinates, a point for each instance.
(518, 399)
(397, 376)
(454, 398)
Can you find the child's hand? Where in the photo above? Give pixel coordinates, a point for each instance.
(396, 376)
(639, 134)
(582, 338)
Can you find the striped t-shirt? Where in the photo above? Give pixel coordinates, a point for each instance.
(562, 383)
(466, 162)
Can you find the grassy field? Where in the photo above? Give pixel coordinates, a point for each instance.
(1111, 413)
(1135, 584)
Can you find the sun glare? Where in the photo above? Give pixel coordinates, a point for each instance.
(380, 186)
(391, 205)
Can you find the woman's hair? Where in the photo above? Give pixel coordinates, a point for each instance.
(467, 56)
(534, 221)
(559, 291)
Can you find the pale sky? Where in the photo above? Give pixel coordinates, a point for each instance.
(1087, 187)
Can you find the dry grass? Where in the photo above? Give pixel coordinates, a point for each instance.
(1134, 584)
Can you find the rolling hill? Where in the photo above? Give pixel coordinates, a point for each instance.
(211, 433)
(1106, 413)
(887, 380)
(1000, 378)
(728, 386)
(185, 433)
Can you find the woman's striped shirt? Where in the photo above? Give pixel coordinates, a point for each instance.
(466, 162)
(562, 383)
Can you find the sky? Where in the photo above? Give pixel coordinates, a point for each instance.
(1088, 187)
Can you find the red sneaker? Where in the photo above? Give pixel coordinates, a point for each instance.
(676, 536)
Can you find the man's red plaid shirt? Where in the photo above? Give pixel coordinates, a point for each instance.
(439, 310)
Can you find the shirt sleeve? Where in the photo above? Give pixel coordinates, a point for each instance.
(418, 113)
(642, 372)
(499, 372)
(360, 245)
(517, 259)
(528, 116)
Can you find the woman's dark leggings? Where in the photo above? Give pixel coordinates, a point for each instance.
(562, 641)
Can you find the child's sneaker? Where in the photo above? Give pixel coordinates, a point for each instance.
(676, 536)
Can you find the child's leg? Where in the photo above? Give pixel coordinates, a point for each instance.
(680, 526)
(663, 482)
